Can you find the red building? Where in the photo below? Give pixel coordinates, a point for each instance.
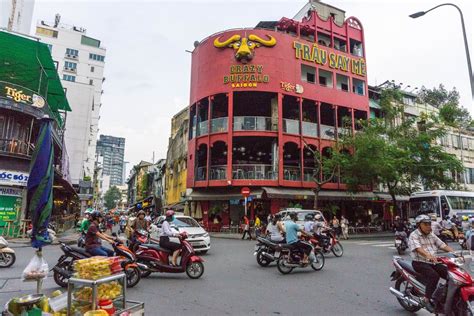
(257, 96)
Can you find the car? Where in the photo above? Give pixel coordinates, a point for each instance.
(198, 237)
(300, 213)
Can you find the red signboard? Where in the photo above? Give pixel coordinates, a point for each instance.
(245, 192)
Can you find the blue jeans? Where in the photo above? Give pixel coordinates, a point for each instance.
(101, 251)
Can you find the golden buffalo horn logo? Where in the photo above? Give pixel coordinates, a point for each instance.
(244, 47)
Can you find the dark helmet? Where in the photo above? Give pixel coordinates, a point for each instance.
(277, 217)
(96, 215)
(293, 216)
(308, 217)
(446, 217)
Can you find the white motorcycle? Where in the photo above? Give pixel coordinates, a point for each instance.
(7, 255)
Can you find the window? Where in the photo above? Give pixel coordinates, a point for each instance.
(96, 57)
(356, 48)
(89, 41)
(308, 73)
(342, 82)
(324, 39)
(92, 68)
(72, 52)
(340, 44)
(470, 175)
(358, 86)
(91, 82)
(408, 100)
(70, 65)
(46, 32)
(69, 78)
(325, 78)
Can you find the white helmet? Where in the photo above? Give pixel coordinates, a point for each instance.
(422, 219)
(318, 216)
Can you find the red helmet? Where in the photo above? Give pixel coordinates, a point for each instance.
(169, 213)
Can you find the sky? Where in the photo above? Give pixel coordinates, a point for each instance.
(147, 67)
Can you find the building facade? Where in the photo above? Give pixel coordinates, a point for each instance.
(16, 15)
(81, 61)
(262, 100)
(112, 150)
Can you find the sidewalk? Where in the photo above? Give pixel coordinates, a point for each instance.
(378, 235)
(69, 237)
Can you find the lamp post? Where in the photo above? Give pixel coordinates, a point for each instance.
(466, 47)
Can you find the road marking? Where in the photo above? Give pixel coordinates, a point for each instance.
(382, 245)
(372, 243)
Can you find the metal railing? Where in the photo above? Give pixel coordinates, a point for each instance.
(203, 128)
(16, 147)
(252, 123)
(254, 172)
(291, 126)
(308, 174)
(219, 125)
(218, 172)
(291, 173)
(310, 129)
(201, 173)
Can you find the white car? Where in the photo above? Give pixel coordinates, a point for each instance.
(198, 237)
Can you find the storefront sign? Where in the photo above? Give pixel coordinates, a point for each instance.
(21, 95)
(289, 87)
(320, 56)
(10, 204)
(8, 177)
(246, 76)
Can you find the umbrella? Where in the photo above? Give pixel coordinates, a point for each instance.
(198, 210)
(39, 197)
(186, 209)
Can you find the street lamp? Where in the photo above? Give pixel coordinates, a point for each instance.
(469, 68)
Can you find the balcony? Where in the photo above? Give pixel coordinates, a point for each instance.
(16, 147)
(203, 128)
(308, 174)
(291, 173)
(218, 172)
(254, 172)
(310, 129)
(219, 125)
(252, 123)
(291, 126)
(328, 132)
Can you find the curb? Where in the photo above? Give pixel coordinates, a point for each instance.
(354, 237)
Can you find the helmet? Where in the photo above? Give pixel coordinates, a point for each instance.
(96, 215)
(308, 217)
(465, 218)
(169, 213)
(318, 217)
(446, 217)
(293, 216)
(397, 217)
(141, 212)
(422, 219)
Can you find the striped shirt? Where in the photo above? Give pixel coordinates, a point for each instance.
(430, 243)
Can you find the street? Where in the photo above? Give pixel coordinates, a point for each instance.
(234, 284)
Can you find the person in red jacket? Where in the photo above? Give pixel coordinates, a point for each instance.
(246, 228)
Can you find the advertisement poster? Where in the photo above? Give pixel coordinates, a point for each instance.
(10, 204)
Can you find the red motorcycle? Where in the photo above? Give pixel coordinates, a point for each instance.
(331, 243)
(156, 259)
(456, 297)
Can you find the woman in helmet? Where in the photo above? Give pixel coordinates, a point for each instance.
(94, 236)
(165, 235)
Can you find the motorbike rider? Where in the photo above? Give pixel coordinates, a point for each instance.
(165, 235)
(423, 246)
(400, 229)
(450, 225)
(318, 228)
(93, 237)
(122, 222)
(85, 222)
(308, 223)
(276, 230)
(470, 235)
(292, 229)
(435, 226)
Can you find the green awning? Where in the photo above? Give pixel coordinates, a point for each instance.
(28, 63)
(374, 104)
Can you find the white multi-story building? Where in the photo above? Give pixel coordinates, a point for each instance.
(81, 61)
(16, 15)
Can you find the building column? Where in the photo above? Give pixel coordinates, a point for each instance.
(230, 131)
(280, 139)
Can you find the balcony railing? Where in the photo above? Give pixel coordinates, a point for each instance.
(219, 125)
(16, 147)
(308, 174)
(328, 132)
(201, 173)
(203, 128)
(254, 172)
(310, 129)
(252, 123)
(291, 126)
(291, 173)
(218, 172)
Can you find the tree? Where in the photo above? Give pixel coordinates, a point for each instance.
(112, 197)
(398, 152)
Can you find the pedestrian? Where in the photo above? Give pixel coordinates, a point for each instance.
(336, 225)
(246, 223)
(345, 227)
(257, 225)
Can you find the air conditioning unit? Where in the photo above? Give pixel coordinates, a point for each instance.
(68, 55)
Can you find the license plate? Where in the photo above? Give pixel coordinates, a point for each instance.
(276, 254)
(398, 242)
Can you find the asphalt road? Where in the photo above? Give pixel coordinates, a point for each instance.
(234, 284)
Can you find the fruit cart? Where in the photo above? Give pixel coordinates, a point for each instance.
(120, 304)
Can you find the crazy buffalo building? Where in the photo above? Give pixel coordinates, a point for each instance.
(259, 98)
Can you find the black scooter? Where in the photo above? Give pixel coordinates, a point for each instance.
(266, 251)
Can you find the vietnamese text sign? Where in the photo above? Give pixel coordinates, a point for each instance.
(9, 177)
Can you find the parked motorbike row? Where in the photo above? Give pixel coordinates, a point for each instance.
(288, 257)
(143, 257)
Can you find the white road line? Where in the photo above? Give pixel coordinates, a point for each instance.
(382, 245)
(373, 243)
(392, 248)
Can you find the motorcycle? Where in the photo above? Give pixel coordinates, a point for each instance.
(156, 259)
(400, 243)
(7, 254)
(333, 245)
(290, 257)
(265, 251)
(64, 268)
(452, 298)
(446, 235)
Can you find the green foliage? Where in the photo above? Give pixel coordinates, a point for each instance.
(112, 197)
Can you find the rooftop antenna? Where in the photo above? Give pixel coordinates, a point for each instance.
(57, 18)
